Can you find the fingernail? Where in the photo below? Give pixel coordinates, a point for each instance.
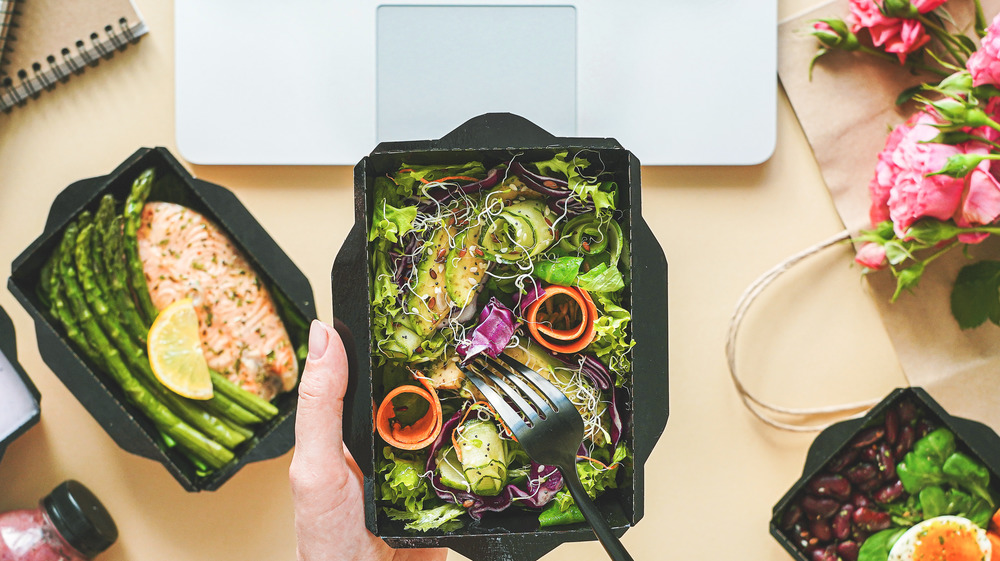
(319, 339)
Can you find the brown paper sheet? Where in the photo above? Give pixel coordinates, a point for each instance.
(846, 111)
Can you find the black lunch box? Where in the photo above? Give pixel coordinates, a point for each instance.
(493, 139)
(102, 398)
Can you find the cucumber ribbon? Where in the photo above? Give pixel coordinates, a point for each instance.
(421, 433)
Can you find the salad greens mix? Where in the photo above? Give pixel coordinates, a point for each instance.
(524, 258)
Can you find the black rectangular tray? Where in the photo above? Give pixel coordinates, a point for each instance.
(102, 398)
(495, 138)
(972, 437)
(8, 346)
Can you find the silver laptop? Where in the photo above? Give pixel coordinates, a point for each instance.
(677, 82)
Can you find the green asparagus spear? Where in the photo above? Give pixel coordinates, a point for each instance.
(210, 452)
(249, 401)
(44, 288)
(224, 407)
(60, 309)
(133, 219)
(114, 265)
(136, 358)
(102, 220)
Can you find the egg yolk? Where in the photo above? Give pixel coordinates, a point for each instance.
(947, 543)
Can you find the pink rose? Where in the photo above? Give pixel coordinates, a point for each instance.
(885, 175)
(909, 37)
(871, 255)
(898, 35)
(902, 191)
(980, 205)
(924, 6)
(984, 64)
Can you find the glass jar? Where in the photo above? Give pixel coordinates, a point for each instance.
(70, 524)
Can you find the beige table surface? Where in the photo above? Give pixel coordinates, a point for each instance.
(814, 338)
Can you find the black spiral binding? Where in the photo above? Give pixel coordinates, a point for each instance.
(66, 64)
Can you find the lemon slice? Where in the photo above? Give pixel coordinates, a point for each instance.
(175, 352)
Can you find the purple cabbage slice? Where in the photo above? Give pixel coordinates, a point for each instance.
(442, 194)
(496, 327)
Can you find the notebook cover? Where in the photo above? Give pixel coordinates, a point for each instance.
(56, 39)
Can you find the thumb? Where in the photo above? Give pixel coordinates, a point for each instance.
(319, 462)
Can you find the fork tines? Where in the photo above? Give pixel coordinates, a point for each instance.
(534, 398)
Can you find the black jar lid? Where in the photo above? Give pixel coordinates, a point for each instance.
(80, 518)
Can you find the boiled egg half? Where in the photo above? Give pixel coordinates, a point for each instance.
(943, 538)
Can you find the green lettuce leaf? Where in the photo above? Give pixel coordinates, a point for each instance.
(391, 222)
(402, 481)
(384, 294)
(601, 279)
(439, 518)
(559, 271)
(595, 479)
(410, 178)
(612, 342)
(602, 193)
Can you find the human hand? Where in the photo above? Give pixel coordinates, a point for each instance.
(326, 482)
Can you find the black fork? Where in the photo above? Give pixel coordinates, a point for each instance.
(546, 425)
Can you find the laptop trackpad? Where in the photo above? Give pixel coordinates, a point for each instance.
(438, 66)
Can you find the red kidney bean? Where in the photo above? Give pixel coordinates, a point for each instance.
(891, 425)
(907, 436)
(791, 516)
(861, 472)
(843, 459)
(828, 553)
(889, 493)
(886, 463)
(870, 453)
(907, 411)
(871, 520)
(868, 437)
(848, 550)
(860, 500)
(870, 485)
(841, 523)
(821, 530)
(923, 427)
(826, 485)
(819, 507)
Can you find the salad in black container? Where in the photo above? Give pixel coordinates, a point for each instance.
(18, 395)
(498, 238)
(146, 275)
(907, 482)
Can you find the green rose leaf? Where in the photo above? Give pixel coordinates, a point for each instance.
(976, 294)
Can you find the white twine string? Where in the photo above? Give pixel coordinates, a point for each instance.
(761, 409)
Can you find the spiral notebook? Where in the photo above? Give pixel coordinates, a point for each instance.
(6, 13)
(51, 40)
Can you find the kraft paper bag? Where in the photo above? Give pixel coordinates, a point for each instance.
(846, 112)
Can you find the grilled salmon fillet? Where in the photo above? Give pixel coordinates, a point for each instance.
(184, 255)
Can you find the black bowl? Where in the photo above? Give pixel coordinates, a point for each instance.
(105, 401)
(495, 138)
(973, 438)
(8, 347)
